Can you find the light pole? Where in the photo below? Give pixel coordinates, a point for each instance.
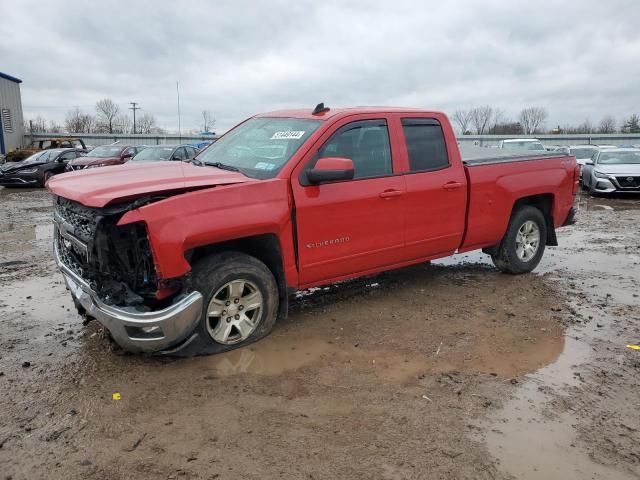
(134, 106)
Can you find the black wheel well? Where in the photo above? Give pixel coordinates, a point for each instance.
(544, 203)
(265, 247)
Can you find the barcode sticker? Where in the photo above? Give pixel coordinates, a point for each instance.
(293, 134)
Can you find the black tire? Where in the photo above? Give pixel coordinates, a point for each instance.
(506, 259)
(46, 176)
(212, 273)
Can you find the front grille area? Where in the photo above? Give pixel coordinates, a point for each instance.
(115, 261)
(629, 181)
(81, 218)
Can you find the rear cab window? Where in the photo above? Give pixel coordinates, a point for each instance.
(426, 147)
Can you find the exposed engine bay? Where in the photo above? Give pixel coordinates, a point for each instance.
(116, 261)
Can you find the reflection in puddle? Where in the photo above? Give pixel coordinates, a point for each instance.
(270, 356)
(27, 233)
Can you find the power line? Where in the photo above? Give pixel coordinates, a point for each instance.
(134, 107)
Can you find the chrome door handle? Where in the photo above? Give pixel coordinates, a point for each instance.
(452, 185)
(390, 194)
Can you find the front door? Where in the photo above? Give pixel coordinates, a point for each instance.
(347, 228)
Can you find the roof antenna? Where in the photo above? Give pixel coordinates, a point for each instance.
(320, 109)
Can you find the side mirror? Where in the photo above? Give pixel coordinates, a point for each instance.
(589, 162)
(331, 169)
(127, 155)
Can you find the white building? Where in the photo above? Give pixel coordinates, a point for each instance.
(11, 123)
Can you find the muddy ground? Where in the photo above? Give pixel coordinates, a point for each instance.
(447, 370)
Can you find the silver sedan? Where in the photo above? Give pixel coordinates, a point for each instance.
(612, 170)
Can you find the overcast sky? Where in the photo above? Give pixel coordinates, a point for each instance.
(579, 59)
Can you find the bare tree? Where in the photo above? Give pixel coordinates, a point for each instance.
(532, 119)
(107, 113)
(54, 127)
(73, 122)
(481, 118)
(632, 125)
(37, 125)
(88, 123)
(462, 118)
(146, 123)
(585, 127)
(498, 118)
(122, 124)
(208, 121)
(607, 125)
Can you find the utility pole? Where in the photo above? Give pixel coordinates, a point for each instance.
(179, 119)
(134, 106)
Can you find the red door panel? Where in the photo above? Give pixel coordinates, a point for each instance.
(436, 187)
(350, 227)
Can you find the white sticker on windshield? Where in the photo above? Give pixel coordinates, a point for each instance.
(293, 134)
(265, 166)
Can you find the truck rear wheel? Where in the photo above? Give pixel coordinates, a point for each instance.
(522, 247)
(240, 300)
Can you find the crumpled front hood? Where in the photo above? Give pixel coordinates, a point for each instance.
(619, 169)
(98, 187)
(13, 166)
(84, 161)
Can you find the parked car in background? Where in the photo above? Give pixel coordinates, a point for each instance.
(161, 153)
(202, 145)
(583, 154)
(526, 144)
(36, 170)
(612, 170)
(45, 144)
(105, 155)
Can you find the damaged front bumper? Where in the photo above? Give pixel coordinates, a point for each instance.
(135, 330)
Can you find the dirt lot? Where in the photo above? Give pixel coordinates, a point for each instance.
(447, 370)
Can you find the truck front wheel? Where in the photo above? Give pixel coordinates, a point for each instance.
(240, 300)
(523, 245)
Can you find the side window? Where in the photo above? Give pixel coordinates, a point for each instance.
(179, 154)
(425, 144)
(191, 152)
(366, 143)
(65, 157)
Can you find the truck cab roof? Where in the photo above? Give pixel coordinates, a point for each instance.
(332, 113)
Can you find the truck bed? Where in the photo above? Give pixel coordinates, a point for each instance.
(473, 155)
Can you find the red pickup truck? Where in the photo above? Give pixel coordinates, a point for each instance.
(201, 257)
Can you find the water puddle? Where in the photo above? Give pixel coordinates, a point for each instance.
(534, 444)
(38, 304)
(42, 232)
(272, 356)
(610, 203)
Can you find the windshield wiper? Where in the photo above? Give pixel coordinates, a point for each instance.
(195, 161)
(222, 166)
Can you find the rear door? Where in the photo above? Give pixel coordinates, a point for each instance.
(436, 189)
(350, 227)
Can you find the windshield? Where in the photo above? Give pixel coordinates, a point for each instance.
(42, 157)
(524, 145)
(583, 152)
(260, 147)
(619, 158)
(154, 154)
(105, 151)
